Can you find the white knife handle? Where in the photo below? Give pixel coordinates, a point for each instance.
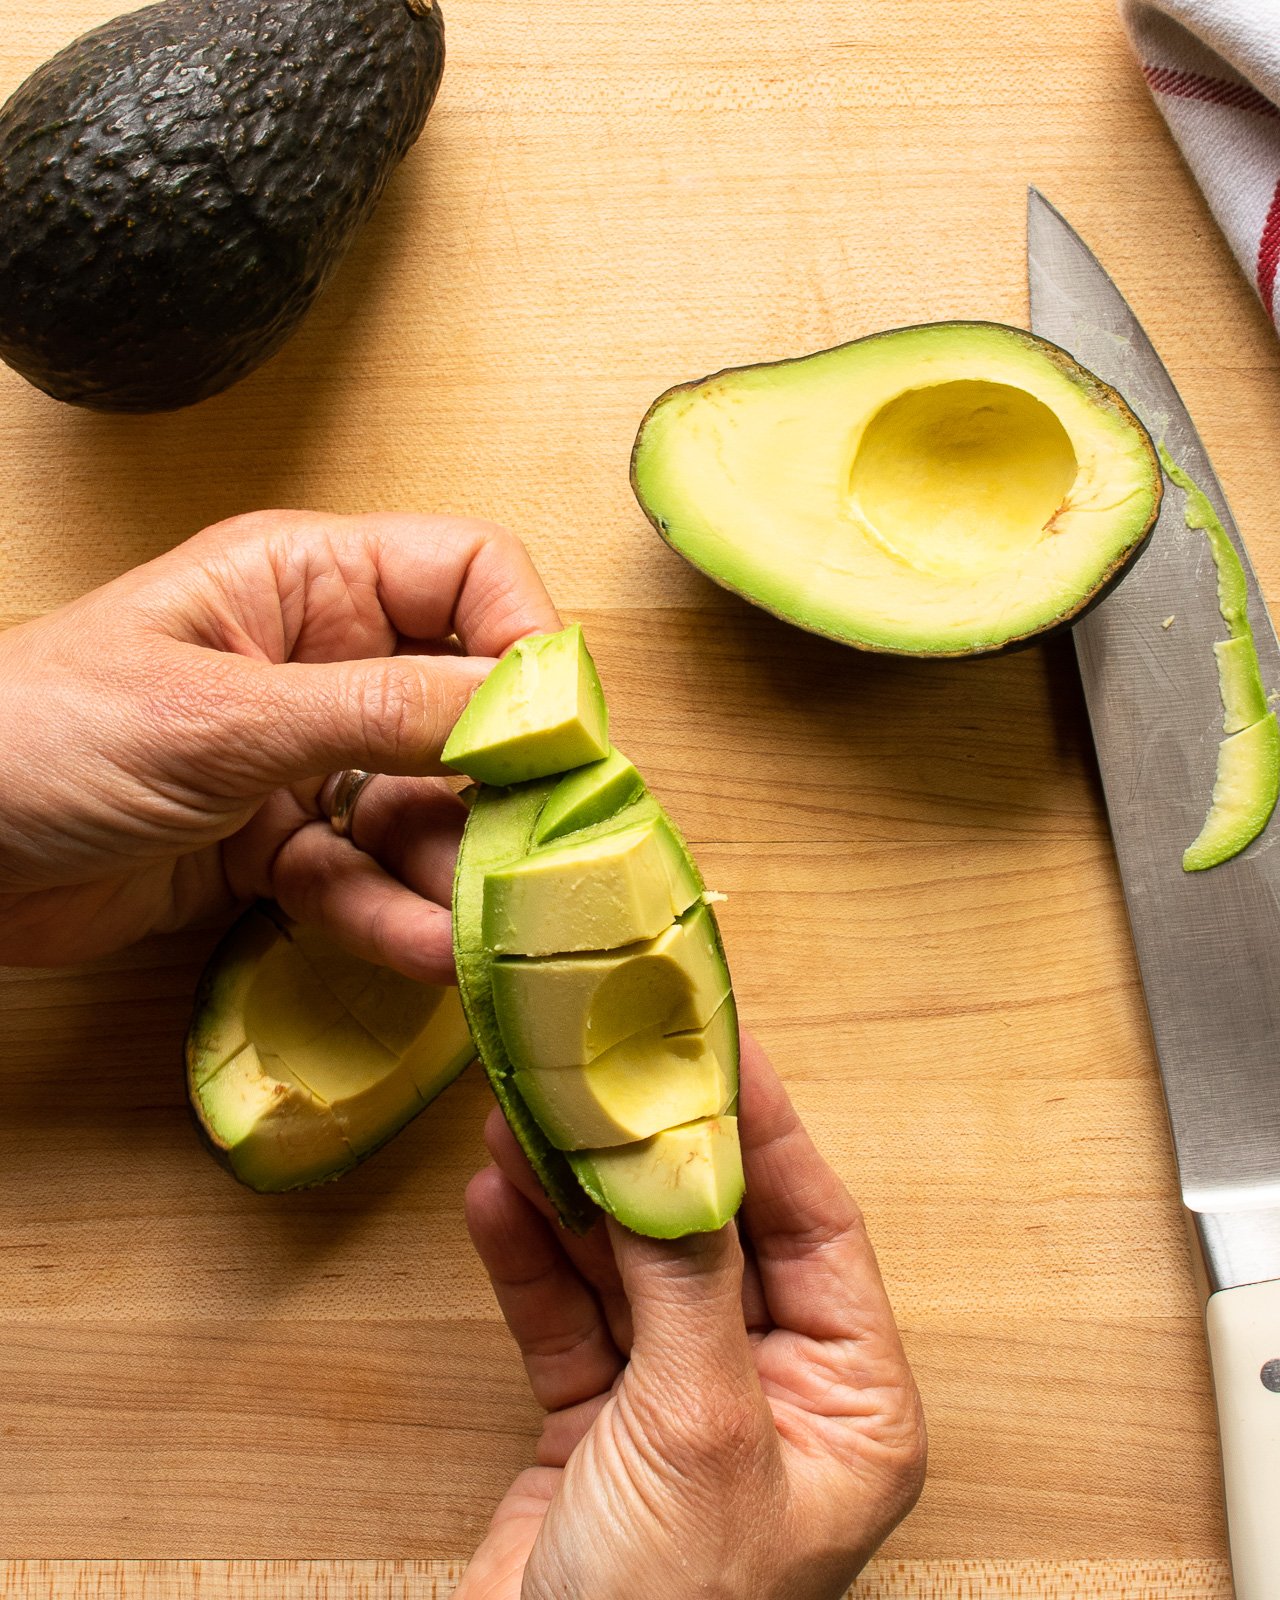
(1244, 1347)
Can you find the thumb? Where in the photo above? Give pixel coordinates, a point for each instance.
(686, 1307)
(305, 720)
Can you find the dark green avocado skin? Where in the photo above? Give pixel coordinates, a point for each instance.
(177, 186)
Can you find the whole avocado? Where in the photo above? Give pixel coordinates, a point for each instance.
(177, 186)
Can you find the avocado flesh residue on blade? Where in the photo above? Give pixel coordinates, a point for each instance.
(1247, 781)
(950, 489)
(302, 1060)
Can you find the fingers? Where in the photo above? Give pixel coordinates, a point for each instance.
(307, 586)
(690, 1348)
(817, 1269)
(272, 726)
(591, 1253)
(691, 1339)
(553, 1316)
(413, 827)
(326, 881)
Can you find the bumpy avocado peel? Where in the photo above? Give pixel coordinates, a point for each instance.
(178, 185)
(501, 828)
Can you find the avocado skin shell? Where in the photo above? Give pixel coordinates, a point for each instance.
(177, 186)
(1099, 391)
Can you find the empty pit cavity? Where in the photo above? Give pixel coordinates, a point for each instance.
(963, 476)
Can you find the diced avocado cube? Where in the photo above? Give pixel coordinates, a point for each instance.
(591, 794)
(636, 1089)
(722, 1037)
(442, 1049)
(270, 1129)
(540, 711)
(370, 1090)
(564, 1011)
(683, 1180)
(595, 894)
(217, 1029)
(393, 1008)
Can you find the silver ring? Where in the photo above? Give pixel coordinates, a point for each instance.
(339, 795)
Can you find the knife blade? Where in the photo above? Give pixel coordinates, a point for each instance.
(1208, 943)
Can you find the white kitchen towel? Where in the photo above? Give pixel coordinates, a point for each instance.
(1214, 69)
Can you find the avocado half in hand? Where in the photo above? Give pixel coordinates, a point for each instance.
(952, 489)
(302, 1059)
(589, 961)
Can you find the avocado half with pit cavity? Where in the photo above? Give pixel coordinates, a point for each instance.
(590, 965)
(952, 489)
(302, 1059)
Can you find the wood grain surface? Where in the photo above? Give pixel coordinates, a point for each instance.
(924, 918)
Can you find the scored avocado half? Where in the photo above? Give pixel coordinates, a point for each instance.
(302, 1059)
(952, 489)
(593, 976)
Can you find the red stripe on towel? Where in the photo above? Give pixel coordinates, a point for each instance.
(1269, 254)
(1216, 91)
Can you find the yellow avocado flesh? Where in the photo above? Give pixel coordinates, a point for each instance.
(541, 710)
(275, 1133)
(643, 1085)
(936, 490)
(684, 1180)
(296, 1021)
(564, 1011)
(612, 889)
(1244, 795)
(217, 1030)
(327, 1043)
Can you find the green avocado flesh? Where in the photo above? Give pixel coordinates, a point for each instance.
(591, 794)
(564, 1011)
(1244, 700)
(950, 489)
(1247, 781)
(179, 185)
(302, 1059)
(593, 894)
(541, 710)
(1244, 795)
(596, 988)
(685, 1180)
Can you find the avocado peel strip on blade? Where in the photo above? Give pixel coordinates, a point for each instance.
(1247, 779)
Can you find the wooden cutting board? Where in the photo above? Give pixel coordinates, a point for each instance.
(924, 917)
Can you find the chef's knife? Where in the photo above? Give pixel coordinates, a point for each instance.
(1208, 943)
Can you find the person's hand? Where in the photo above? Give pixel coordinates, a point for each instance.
(743, 1430)
(166, 737)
